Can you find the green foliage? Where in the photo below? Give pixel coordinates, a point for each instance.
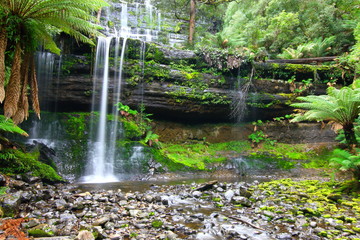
(286, 117)
(296, 73)
(152, 139)
(76, 125)
(341, 136)
(316, 48)
(340, 105)
(274, 25)
(346, 161)
(132, 129)
(39, 233)
(17, 162)
(34, 22)
(7, 125)
(183, 94)
(3, 190)
(257, 137)
(124, 108)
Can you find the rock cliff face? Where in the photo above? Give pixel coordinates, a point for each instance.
(176, 85)
(215, 133)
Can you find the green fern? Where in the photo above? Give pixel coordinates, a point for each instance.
(7, 156)
(7, 125)
(345, 161)
(339, 105)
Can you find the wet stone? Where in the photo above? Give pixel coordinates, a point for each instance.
(229, 195)
(101, 221)
(284, 236)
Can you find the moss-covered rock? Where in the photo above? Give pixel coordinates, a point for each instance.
(42, 230)
(18, 162)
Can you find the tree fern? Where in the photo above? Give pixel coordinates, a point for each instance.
(340, 105)
(30, 23)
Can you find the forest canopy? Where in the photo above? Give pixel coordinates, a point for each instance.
(290, 28)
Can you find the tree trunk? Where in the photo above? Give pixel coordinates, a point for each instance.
(14, 87)
(23, 105)
(34, 89)
(3, 43)
(350, 135)
(192, 21)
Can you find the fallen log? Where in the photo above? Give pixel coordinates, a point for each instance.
(315, 60)
(206, 186)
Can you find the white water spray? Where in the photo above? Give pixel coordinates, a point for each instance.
(105, 161)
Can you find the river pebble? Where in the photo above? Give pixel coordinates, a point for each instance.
(225, 211)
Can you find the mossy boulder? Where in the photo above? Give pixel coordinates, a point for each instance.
(42, 230)
(10, 203)
(18, 162)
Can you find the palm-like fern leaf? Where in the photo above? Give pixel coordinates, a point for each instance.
(35, 21)
(339, 105)
(7, 125)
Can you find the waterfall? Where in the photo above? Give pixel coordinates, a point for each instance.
(45, 62)
(96, 155)
(101, 166)
(239, 96)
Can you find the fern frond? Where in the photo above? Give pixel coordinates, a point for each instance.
(7, 125)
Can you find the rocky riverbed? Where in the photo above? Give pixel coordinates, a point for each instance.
(281, 209)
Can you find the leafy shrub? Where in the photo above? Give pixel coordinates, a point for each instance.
(346, 161)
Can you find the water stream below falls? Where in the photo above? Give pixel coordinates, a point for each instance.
(103, 155)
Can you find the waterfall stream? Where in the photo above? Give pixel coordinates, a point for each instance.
(103, 155)
(92, 153)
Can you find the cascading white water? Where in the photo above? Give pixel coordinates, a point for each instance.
(103, 155)
(115, 125)
(45, 62)
(101, 166)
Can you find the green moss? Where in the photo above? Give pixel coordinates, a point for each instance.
(322, 73)
(38, 233)
(132, 129)
(202, 155)
(76, 125)
(3, 190)
(28, 162)
(162, 158)
(268, 208)
(156, 224)
(154, 53)
(199, 156)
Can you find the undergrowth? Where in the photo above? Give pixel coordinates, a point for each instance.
(16, 162)
(201, 155)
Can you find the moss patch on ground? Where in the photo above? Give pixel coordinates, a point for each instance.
(313, 201)
(200, 155)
